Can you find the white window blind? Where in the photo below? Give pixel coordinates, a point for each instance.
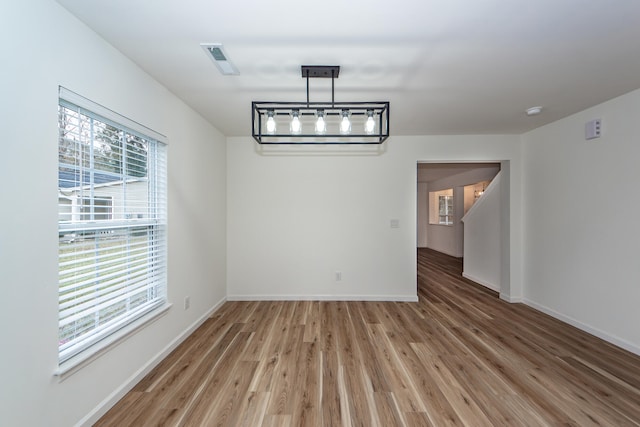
(111, 223)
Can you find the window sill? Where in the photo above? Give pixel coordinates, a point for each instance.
(83, 359)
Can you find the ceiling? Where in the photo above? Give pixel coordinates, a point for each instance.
(429, 172)
(446, 66)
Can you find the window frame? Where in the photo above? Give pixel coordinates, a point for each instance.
(448, 210)
(150, 248)
(436, 217)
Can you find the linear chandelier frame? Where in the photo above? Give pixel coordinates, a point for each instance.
(335, 122)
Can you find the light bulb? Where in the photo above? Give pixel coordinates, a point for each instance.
(345, 124)
(271, 123)
(370, 124)
(295, 127)
(321, 125)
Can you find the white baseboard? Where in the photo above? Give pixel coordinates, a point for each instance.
(583, 326)
(481, 282)
(399, 298)
(510, 299)
(93, 416)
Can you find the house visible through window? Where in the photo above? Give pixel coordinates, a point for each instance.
(441, 207)
(111, 223)
(97, 208)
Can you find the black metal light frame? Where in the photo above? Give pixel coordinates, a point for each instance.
(379, 111)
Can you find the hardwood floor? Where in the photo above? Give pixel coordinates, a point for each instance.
(460, 356)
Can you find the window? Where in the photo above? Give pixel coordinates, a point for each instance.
(98, 207)
(111, 223)
(445, 210)
(441, 207)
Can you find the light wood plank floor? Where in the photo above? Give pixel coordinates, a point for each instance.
(460, 356)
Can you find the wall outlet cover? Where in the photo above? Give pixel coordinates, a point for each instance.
(593, 129)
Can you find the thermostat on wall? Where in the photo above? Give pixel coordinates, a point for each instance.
(593, 129)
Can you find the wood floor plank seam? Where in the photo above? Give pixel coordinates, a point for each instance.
(460, 356)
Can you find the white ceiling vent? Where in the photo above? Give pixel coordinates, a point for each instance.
(220, 58)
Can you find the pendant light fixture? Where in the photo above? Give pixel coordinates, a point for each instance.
(345, 123)
(370, 124)
(295, 128)
(320, 122)
(321, 125)
(478, 193)
(271, 123)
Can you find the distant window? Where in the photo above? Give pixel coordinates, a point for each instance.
(111, 224)
(445, 210)
(441, 207)
(96, 208)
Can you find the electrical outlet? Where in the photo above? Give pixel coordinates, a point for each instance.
(187, 303)
(338, 276)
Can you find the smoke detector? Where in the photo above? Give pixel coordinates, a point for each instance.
(220, 58)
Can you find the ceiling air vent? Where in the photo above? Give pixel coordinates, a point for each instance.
(218, 56)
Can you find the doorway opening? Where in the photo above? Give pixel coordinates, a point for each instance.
(459, 210)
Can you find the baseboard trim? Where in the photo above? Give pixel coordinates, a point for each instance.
(398, 298)
(481, 282)
(93, 416)
(510, 299)
(619, 342)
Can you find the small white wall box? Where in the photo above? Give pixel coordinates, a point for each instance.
(593, 129)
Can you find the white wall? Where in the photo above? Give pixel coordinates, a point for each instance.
(423, 214)
(482, 252)
(580, 225)
(297, 219)
(43, 46)
(442, 238)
